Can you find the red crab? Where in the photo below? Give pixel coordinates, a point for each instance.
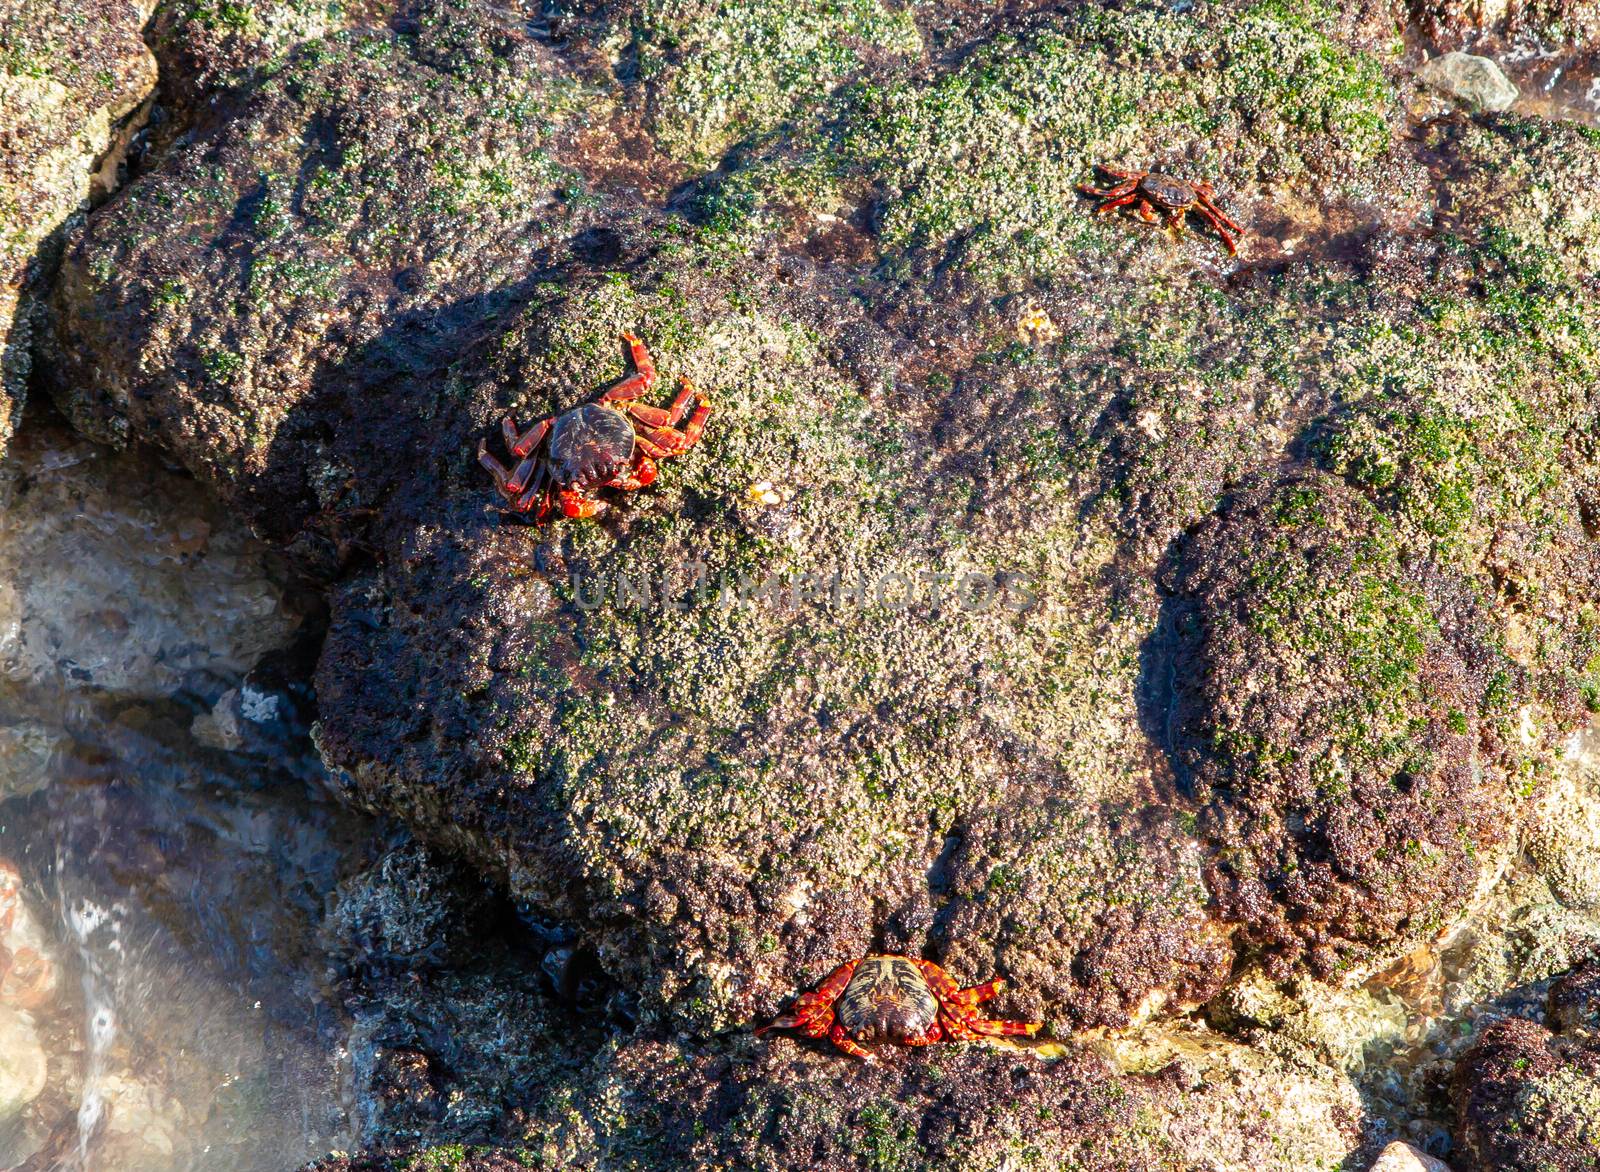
(612, 442)
(895, 999)
(1151, 192)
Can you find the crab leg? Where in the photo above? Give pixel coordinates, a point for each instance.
(957, 1006)
(1116, 191)
(644, 471)
(1002, 1029)
(1209, 205)
(1216, 222)
(812, 1013)
(664, 416)
(642, 378)
(538, 491)
(928, 1036)
(1115, 202)
(519, 444)
(507, 481)
(846, 1043)
(983, 992)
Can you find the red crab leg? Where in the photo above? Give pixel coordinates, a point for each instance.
(669, 440)
(1115, 191)
(846, 1043)
(1147, 213)
(1003, 1029)
(928, 1036)
(958, 1005)
(815, 1008)
(664, 417)
(575, 504)
(642, 378)
(1216, 223)
(955, 1027)
(1210, 205)
(945, 989)
(1119, 201)
(644, 471)
(983, 992)
(653, 450)
(538, 491)
(680, 405)
(520, 444)
(502, 475)
(649, 416)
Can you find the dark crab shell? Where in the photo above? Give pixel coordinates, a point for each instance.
(1167, 192)
(887, 1000)
(589, 445)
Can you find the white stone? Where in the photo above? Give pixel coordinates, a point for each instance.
(1402, 1157)
(1476, 81)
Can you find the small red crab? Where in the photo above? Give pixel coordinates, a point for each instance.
(895, 999)
(612, 442)
(1151, 192)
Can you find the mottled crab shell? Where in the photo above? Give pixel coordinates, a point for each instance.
(589, 445)
(887, 1000)
(1166, 191)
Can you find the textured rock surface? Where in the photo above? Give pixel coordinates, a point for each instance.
(1528, 1100)
(1453, 23)
(1218, 615)
(71, 77)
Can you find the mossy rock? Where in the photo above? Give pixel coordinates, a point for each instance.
(1526, 1100)
(717, 72)
(276, 249)
(207, 47)
(728, 793)
(73, 80)
(1331, 705)
(976, 168)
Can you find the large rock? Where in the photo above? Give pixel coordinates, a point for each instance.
(72, 77)
(1270, 620)
(308, 234)
(1528, 1100)
(1326, 712)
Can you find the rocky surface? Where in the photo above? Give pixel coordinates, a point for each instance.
(1052, 595)
(72, 78)
(1528, 1099)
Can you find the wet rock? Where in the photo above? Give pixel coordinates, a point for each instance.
(1474, 81)
(408, 911)
(1460, 23)
(1213, 1093)
(115, 577)
(23, 1064)
(72, 78)
(1528, 1100)
(1563, 835)
(1575, 1000)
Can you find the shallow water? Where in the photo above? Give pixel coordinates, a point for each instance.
(161, 811)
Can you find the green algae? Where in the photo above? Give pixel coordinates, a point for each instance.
(724, 70)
